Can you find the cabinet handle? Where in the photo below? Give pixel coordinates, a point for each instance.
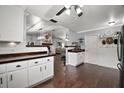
(18, 66)
(36, 62)
(48, 59)
(1, 81)
(11, 77)
(45, 67)
(40, 69)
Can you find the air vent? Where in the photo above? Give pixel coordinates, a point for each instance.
(54, 21)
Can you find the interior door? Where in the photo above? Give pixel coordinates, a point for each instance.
(91, 44)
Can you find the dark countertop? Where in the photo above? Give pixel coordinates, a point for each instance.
(69, 46)
(25, 57)
(76, 51)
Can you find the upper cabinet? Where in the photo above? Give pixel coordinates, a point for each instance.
(11, 23)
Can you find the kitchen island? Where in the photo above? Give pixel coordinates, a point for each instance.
(75, 57)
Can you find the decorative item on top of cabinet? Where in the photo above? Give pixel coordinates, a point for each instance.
(48, 38)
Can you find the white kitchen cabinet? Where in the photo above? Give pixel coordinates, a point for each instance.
(27, 73)
(81, 57)
(49, 69)
(17, 79)
(35, 74)
(3, 83)
(75, 59)
(2, 68)
(11, 23)
(41, 72)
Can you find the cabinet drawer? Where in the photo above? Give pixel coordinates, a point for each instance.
(49, 59)
(2, 69)
(35, 62)
(16, 65)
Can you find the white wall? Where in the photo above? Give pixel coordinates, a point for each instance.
(107, 56)
(7, 48)
(73, 37)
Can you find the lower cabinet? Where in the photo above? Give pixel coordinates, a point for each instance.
(40, 73)
(49, 69)
(75, 59)
(17, 79)
(35, 74)
(26, 73)
(80, 57)
(3, 83)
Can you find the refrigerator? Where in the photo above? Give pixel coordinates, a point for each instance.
(120, 55)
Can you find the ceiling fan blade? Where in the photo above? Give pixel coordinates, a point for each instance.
(52, 20)
(61, 11)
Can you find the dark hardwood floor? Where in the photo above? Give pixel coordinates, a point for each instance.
(83, 76)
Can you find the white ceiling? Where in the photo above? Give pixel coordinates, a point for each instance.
(94, 16)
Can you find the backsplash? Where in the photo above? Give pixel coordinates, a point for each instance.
(7, 48)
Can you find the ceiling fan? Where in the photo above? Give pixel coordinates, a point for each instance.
(67, 9)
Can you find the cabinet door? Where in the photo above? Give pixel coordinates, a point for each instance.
(11, 23)
(72, 59)
(35, 74)
(49, 71)
(3, 81)
(80, 58)
(17, 79)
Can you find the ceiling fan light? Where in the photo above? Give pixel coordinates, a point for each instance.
(81, 5)
(78, 10)
(67, 6)
(68, 11)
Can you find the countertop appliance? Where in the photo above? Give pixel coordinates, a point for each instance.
(120, 54)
